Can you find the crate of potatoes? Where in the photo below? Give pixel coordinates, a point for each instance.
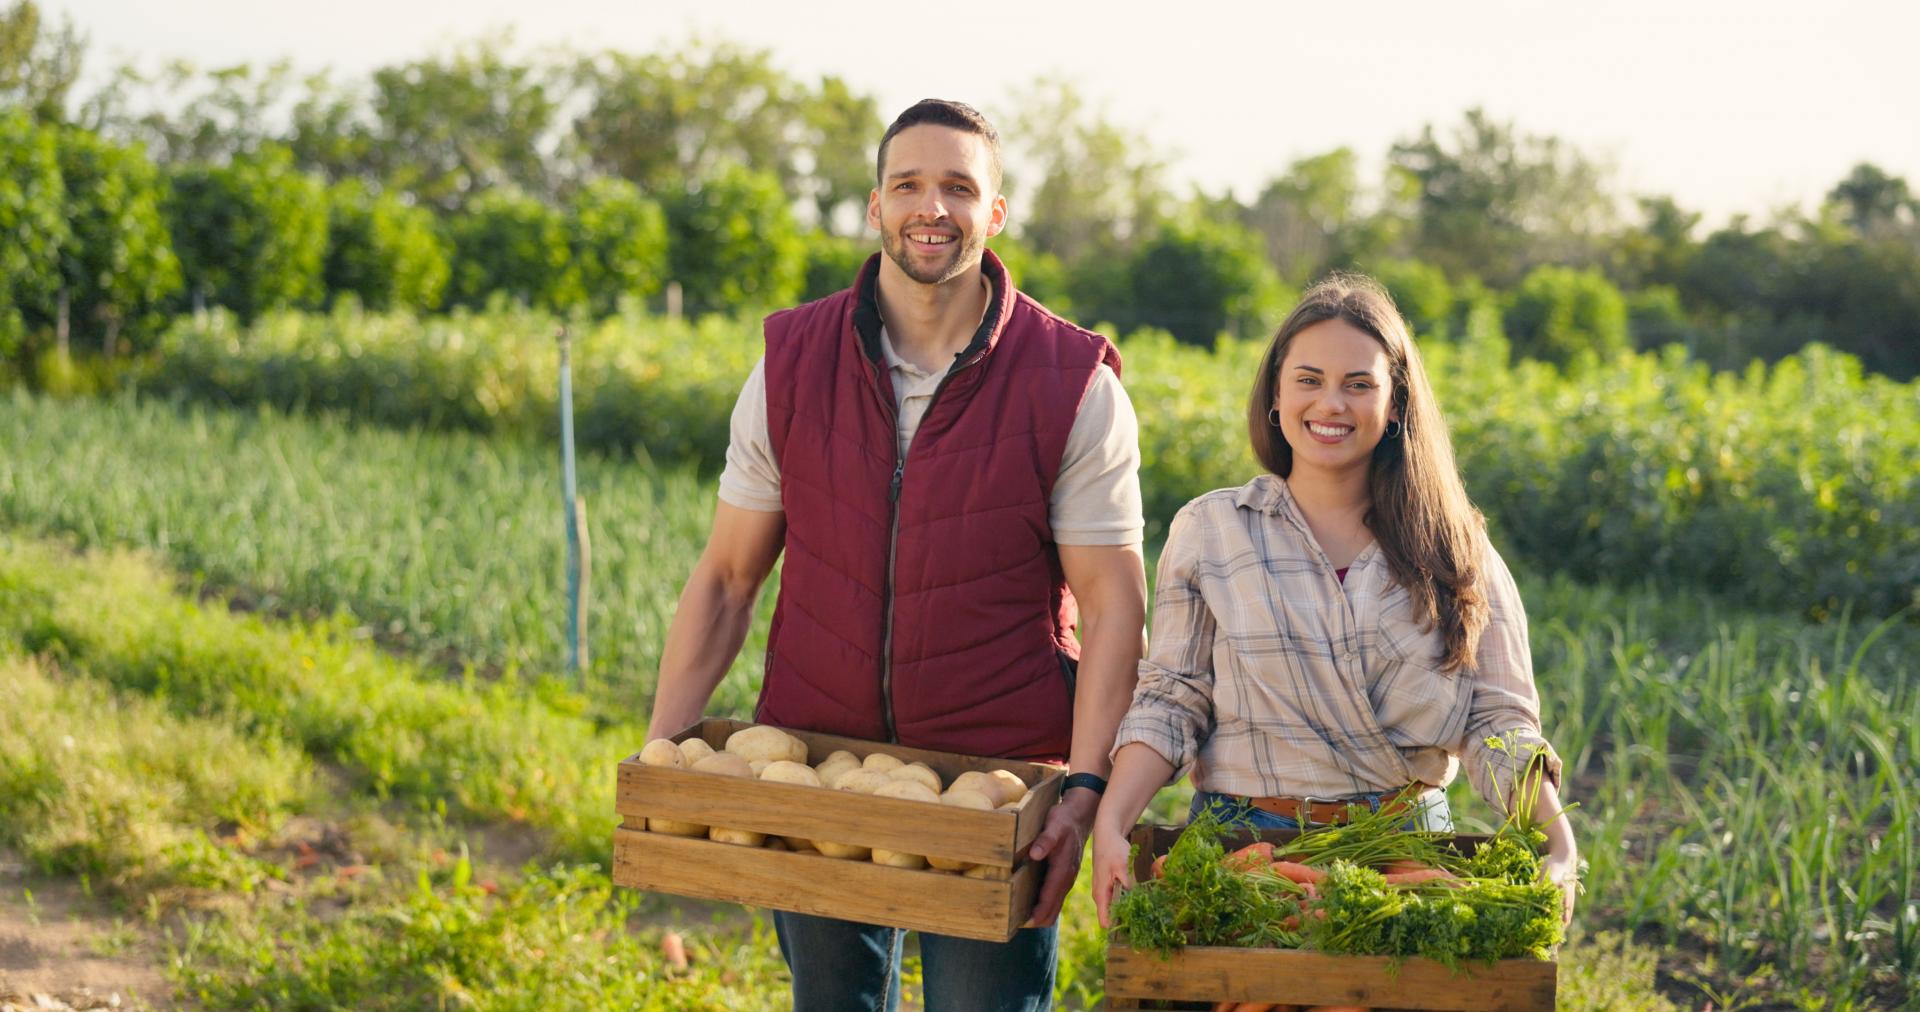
(839, 827)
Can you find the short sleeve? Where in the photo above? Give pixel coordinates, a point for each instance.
(751, 479)
(1096, 497)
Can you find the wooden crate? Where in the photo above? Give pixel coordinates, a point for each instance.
(1197, 976)
(939, 902)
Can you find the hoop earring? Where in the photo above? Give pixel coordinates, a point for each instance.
(1273, 417)
(1394, 428)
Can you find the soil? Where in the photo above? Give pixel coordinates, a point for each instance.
(66, 950)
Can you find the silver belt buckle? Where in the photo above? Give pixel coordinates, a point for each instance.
(1307, 801)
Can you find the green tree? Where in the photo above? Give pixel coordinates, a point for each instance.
(1559, 312)
(1099, 186)
(384, 251)
(1874, 203)
(449, 128)
(1495, 202)
(843, 130)
(120, 269)
(251, 235)
(832, 263)
(32, 218)
(514, 243)
(182, 114)
(1199, 278)
(39, 63)
(1657, 252)
(1421, 291)
(1312, 218)
(733, 244)
(662, 118)
(619, 241)
(1038, 274)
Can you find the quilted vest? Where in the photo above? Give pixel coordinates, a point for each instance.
(922, 600)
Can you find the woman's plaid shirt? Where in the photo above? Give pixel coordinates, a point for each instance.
(1266, 676)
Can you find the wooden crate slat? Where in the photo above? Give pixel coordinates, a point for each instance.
(1291, 976)
(809, 883)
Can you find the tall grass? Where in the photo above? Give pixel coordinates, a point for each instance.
(448, 544)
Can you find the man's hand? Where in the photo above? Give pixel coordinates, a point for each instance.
(1061, 843)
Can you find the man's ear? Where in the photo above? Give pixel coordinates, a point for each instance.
(997, 223)
(873, 209)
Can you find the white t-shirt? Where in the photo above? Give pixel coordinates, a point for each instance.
(1096, 498)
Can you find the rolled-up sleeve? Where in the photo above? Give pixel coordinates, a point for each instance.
(1503, 739)
(1172, 709)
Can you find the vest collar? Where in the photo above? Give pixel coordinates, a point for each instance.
(866, 309)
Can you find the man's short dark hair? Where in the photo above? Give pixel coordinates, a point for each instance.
(941, 112)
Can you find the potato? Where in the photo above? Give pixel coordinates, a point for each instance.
(843, 851)
(725, 764)
(769, 743)
(895, 859)
(1015, 788)
(982, 783)
(986, 871)
(674, 828)
(907, 790)
(777, 843)
(959, 798)
(759, 766)
(882, 762)
(695, 749)
(920, 773)
(798, 845)
(862, 781)
(661, 752)
(740, 837)
(837, 765)
(788, 772)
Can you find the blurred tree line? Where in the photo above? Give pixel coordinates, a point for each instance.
(576, 181)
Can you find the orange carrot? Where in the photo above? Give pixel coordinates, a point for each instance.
(1403, 866)
(1159, 866)
(1414, 877)
(1251, 857)
(1298, 872)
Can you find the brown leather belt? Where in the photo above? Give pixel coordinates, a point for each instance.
(1333, 811)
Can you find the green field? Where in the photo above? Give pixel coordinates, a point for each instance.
(355, 626)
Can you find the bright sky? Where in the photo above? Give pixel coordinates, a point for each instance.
(1728, 105)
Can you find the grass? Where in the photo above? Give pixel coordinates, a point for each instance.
(447, 545)
(1746, 779)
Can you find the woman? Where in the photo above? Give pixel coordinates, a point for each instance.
(1338, 631)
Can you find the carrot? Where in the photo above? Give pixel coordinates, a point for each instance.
(1159, 866)
(1403, 866)
(1414, 877)
(1298, 872)
(1251, 857)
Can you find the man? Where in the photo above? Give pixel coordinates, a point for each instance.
(949, 469)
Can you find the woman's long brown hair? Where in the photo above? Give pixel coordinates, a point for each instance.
(1428, 530)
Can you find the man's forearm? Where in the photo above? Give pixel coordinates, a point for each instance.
(709, 624)
(1109, 665)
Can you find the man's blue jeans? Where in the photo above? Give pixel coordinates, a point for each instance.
(841, 966)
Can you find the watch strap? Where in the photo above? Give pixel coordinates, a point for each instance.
(1093, 782)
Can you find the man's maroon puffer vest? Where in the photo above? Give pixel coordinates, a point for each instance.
(977, 657)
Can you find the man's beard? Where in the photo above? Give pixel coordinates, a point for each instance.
(970, 246)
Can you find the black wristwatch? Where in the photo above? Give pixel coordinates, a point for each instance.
(1096, 784)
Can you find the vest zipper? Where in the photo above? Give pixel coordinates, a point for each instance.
(893, 549)
(893, 536)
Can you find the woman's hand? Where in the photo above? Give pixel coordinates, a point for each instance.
(1562, 868)
(1111, 852)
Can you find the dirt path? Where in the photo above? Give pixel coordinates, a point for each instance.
(71, 950)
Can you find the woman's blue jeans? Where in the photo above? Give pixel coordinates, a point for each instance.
(841, 965)
(1431, 813)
